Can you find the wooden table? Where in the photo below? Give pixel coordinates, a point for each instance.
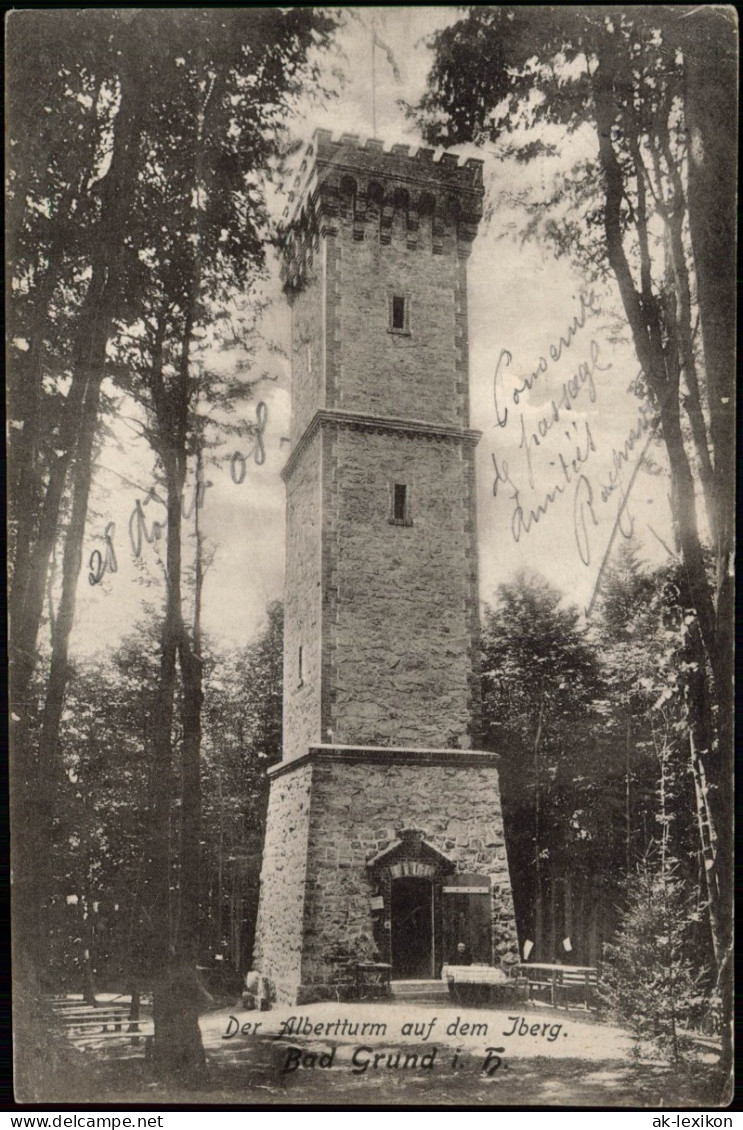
(486, 981)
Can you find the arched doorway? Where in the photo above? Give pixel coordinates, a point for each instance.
(406, 883)
(412, 928)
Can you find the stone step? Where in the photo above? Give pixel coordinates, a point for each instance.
(419, 990)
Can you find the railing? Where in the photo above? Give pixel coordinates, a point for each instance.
(562, 981)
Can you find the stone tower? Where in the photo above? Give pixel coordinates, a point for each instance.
(384, 839)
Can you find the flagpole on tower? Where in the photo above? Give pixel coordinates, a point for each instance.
(374, 80)
(384, 47)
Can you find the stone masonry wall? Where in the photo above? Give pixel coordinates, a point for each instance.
(385, 612)
(303, 603)
(393, 658)
(308, 361)
(357, 810)
(345, 353)
(278, 939)
(410, 374)
(399, 646)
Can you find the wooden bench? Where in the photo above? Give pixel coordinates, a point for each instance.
(372, 975)
(69, 1006)
(562, 982)
(143, 1032)
(86, 1024)
(104, 1019)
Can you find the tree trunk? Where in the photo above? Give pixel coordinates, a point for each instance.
(191, 801)
(178, 1049)
(29, 591)
(89, 980)
(73, 552)
(27, 604)
(711, 114)
(157, 900)
(178, 1052)
(135, 1005)
(193, 696)
(707, 202)
(25, 487)
(538, 886)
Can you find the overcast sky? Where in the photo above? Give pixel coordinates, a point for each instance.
(521, 302)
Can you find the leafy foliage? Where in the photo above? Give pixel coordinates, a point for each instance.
(139, 147)
(588, 721)
(649, 200)
(540, 677)
(140, 143)
(242, 739)
(104, 788)
(649, 977)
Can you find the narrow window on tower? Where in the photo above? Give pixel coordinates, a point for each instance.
(400, 506)
(299, 667)
(400, 499)
(399, 314)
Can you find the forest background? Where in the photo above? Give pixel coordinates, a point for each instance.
(148, 400)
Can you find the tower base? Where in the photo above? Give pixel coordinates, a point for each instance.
(380, 855)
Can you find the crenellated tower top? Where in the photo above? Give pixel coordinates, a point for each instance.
(371, 185)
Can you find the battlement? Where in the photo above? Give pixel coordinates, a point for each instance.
(371, 159)
(364, 182)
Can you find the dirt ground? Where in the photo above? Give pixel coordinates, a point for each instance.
(401, 1055)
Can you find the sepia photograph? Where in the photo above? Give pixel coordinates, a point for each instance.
(371, 466)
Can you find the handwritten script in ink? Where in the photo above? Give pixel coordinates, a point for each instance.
(556, 448)
(144, 529)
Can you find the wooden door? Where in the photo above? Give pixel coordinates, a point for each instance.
(467, 917)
